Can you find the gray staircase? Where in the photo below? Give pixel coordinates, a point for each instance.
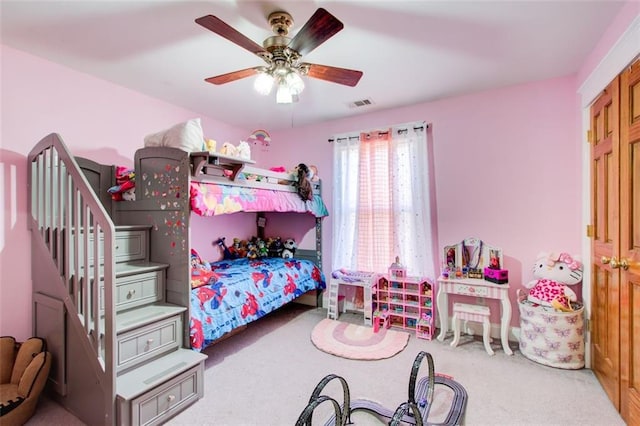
(156, 376)
(119, 355)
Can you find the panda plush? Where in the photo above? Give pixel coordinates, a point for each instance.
(289, 248)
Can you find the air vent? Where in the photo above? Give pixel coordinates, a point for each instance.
(361, 103)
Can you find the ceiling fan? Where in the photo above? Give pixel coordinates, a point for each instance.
(282, 54)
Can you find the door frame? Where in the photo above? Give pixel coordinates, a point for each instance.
(621, 54)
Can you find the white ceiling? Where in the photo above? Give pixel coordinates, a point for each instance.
(410, 51)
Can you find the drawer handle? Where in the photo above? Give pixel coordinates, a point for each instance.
(131, 293)
(171, 398)
(149, 342)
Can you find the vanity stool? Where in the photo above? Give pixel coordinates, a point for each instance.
(477, 313)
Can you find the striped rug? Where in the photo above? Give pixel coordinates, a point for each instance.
(354, 341)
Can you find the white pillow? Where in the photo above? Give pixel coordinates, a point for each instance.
(187, 136)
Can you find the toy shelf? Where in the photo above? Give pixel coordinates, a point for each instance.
(407, 301)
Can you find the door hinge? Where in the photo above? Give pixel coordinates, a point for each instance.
(591, 231)
(589, 136)
(587, 330)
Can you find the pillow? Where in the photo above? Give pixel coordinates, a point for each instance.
(187, 136)
(201, 272)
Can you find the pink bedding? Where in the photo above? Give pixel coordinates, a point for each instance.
(211, 199)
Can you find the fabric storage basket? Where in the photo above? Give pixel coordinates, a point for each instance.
(551, 337)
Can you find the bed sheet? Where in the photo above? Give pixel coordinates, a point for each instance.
(208, 199)
(243, 290)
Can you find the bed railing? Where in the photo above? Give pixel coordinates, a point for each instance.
(68, 221)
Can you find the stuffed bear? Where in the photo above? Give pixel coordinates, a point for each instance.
(289, 248)
(555, 273)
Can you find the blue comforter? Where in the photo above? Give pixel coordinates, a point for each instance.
(243, 290)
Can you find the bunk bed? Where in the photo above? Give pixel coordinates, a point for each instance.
(171, 186)
(111, 280)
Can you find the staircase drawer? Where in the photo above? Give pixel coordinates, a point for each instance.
(136, 290)
(129, 245)
(141, 289)
(140, 344)
(163, 402)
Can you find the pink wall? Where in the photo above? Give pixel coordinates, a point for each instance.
(507, 162)
(507, 167)
(96, 119)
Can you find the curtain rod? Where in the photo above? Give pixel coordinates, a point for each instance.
(344, 138)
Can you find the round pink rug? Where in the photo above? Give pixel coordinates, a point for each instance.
(357, 341)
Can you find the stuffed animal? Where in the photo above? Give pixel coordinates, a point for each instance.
(262, 248)
(226, 254)
(228, 149)
(201, 272)
(243, 150)
(289, 249)
(210, 144)
(252, 249)
(555, 273)
(125, 185)
(239, 248)
(275, 247)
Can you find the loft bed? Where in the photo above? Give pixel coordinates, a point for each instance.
(171, 186)
(111, 280)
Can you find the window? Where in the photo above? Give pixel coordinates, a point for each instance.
(382, 201)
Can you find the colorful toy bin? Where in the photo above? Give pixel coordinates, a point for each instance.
(551, 337)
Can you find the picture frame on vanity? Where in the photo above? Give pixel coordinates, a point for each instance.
(451, 256)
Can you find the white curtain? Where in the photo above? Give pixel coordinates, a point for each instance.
(382, 204)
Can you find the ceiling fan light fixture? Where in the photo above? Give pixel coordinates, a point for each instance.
(284, 94)
(282, 54)
(263, 83)
(294, 82)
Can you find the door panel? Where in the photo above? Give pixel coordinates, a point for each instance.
(605, 307)
(630, 244)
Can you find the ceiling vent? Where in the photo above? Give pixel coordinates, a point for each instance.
(361, 103)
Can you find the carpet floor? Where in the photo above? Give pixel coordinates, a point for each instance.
(265, 375)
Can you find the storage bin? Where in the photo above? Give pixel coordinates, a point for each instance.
(551, 337)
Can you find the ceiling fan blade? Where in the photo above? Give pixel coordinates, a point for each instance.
(223, 29)
(334, 75)
(319, 28)
(232, 76)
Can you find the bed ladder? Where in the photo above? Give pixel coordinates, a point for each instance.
(368, 303)
(332, 309)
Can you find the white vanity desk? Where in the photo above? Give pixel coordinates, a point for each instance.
(474, 287)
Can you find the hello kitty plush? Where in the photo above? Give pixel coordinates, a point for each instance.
(554, 273)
